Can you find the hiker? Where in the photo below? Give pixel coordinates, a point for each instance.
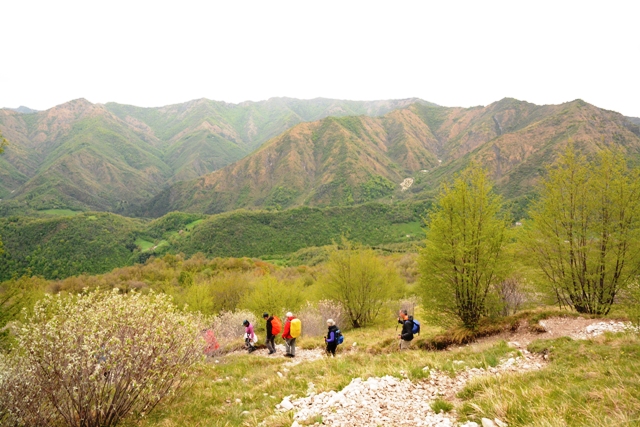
(249, 337)
(270, 333)
(289, 339)
(407, 330)
(332, 338)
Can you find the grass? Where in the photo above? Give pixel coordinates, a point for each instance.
(242, 390)
(59, 212)
(588, 383)
(144, 245)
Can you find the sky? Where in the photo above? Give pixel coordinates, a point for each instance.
(453, 53)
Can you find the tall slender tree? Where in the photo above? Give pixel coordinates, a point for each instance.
(464, 253)
(585, 229)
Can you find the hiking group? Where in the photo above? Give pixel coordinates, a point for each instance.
(292, 330)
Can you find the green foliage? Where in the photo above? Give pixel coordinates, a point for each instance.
(464, 255)
(281, 197)
(585, 233)
(171, 223)
(274, 297)
(375, 188)
(64, 246)
(441, 405)
(361, 282)
(251, 233)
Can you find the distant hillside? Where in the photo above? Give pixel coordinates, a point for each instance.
(59, 247)
(260, 233)
(84, 156)
(24, 110)
(78, 155)
(351, 160)
(201, 136)
(71, 243)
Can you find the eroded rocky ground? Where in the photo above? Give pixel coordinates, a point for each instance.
(397, 401)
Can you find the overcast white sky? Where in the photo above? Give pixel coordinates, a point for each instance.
(453, 53)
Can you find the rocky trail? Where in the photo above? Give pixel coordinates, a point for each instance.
(397, 401)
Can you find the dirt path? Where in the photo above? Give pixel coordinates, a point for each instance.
(400, 402)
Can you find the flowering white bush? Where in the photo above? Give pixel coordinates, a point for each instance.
(89, 360)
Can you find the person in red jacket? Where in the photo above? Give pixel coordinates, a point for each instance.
(290, 342)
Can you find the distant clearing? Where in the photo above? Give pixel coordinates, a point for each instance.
(60, 212)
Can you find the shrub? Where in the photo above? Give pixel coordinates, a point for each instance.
(361, 282)
(274, 297)
(91, 359)
(314, 317)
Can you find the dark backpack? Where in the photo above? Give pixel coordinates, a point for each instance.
(416, 327)
(339, 336)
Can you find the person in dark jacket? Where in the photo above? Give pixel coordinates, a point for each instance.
(406, 336)
(270, 337)
(332, 338)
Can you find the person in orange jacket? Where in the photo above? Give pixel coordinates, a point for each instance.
(290, 342)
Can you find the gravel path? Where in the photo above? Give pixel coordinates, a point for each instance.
(393, 401)
(397, 401)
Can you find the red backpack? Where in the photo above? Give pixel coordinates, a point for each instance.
(276, 326)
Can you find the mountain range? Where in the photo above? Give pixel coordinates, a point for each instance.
(108, 157)
(405, 153)
(209, 157)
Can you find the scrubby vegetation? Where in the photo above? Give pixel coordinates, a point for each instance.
(94, 330)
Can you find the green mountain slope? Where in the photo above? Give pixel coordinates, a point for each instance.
(334, 161)
(84, 156)
(202, 136)
(77, 243)
(80, 156)
(70, 245)
(351, 160)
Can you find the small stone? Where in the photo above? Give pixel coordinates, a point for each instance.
(486, 422)
(286, 405)
(500, 423)
(280, 374)
(238, 401)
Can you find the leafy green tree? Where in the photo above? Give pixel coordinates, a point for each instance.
(274, 297)
(464, 255)
(361, 282)
(585, 229)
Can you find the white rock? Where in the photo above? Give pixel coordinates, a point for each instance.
(286, 405)
(486, 422)
(500, 423)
